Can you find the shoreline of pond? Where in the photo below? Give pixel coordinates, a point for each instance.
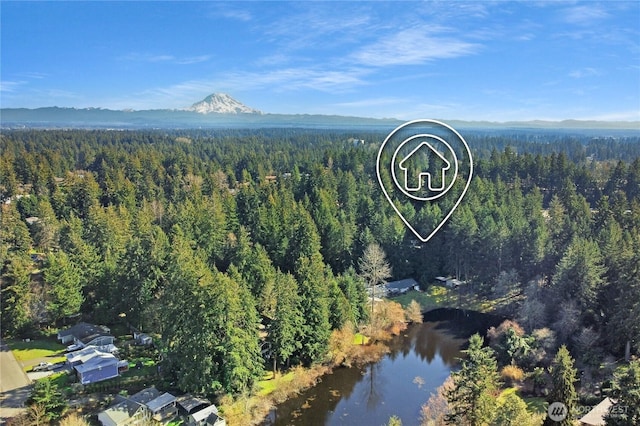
(453, 325)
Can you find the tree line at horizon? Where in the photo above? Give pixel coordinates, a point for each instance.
(202, 236)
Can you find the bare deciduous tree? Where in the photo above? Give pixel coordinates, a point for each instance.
(374, 269)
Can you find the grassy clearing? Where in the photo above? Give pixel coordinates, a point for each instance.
(140, 367)
(434, 297)
(535, 405)
(25, 351)
(437, 296)
(269, 384)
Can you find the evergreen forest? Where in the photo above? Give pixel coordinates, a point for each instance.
(207, 237)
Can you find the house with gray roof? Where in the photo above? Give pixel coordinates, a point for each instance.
(100, 366)
(163, 408)
(401, 286)
(145, 407)
(84, 334)
(208, 416)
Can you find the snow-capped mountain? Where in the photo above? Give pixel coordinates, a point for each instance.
(221, 103)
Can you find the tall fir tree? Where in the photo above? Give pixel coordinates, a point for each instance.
(64, 286)
(625, 391)
(472, 400)
(563, 378)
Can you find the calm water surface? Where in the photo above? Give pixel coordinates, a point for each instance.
(399, 384)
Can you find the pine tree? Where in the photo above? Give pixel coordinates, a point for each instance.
(472, 399)
(47, 395)
(284, 328)
(15, 295)
(63, 278)
(625, 390)
(563, 377)
(314, 307)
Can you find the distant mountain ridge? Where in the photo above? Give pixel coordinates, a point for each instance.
(220, 110)
(221, 103)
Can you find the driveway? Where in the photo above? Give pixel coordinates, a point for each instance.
(15, 386)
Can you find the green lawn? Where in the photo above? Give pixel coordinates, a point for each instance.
(437, 296)
(148, 368)
(434, 297)
(535, 405)
(25, 351)
(268, 384)
(61, 380)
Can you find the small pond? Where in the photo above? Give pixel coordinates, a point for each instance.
(399, 384)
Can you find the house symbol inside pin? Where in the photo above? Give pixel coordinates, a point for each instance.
(416, 177)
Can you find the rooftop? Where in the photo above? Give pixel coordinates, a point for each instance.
(160, 402)
(85, 332)
(145, 395)
(406, 283)
(204, 413)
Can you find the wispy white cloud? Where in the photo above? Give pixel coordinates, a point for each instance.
(33, 75)
(10, 86)
(293, 79)
(584, 72)
(237, 14)
(146, 57)
(193, 59)
(278, 81)
(413, 46)
(584, 14)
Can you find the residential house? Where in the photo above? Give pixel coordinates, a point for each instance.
(163, 408)
(130, 410)
(82, 356)
(454, 283)
(402, 286)
(125, 412)
(84, 334)
(188, 404)
(206, 417)
(595, 417)
(101, 366)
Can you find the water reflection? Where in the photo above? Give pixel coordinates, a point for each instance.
(419, 361)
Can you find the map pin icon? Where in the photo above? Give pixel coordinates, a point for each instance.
(424, 166)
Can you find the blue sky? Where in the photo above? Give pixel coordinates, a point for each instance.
(496, 61)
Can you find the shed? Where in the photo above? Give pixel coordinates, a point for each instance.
(142, 339)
